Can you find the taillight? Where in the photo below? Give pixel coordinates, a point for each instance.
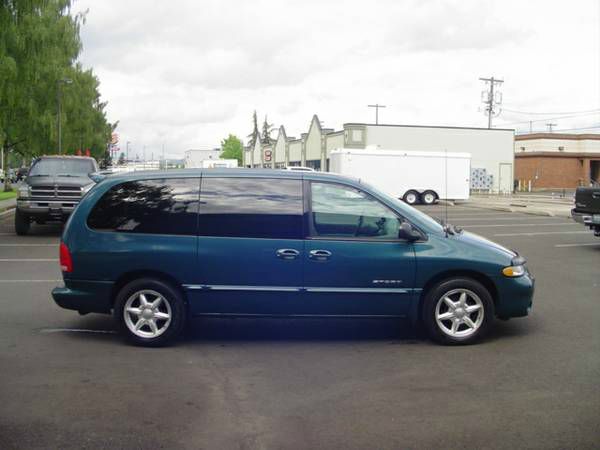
(66, 263)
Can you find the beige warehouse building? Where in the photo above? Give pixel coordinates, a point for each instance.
(492, 150)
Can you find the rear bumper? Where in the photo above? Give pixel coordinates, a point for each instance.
(84, 296)
(584, 218)
(515, 296)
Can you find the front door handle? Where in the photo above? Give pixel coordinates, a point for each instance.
(319, 255)
(287, 253)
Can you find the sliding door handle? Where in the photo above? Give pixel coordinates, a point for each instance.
(287, 253)
(319, 255)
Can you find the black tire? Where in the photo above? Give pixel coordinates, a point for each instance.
(176, 308)
(22, 223)
(428, 197)
(453, 288)
(411, 197)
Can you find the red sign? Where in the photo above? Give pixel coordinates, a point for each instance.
(268, 154)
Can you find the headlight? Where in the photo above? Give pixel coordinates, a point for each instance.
(24, 191)
(85, 189)
(514, 271)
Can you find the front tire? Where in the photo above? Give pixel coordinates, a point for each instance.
(411, 197)
(22, 223)
(149, 312)
(458, 311)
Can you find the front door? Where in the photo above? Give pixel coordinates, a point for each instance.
(250, 246)
(354, 263)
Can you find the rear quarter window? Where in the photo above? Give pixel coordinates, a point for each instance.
(164, 206)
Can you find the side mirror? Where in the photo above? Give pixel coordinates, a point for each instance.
(408, 233)
(96, 177)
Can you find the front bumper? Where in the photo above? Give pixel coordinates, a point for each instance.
(84, 296)
(47, 208)
(515, 296)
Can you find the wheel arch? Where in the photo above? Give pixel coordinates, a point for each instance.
(153, 274)
(485, 280)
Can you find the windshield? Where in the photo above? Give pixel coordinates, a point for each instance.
(66, 167)
(411, 212)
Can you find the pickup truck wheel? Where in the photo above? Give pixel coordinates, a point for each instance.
(428, 197)
(22, 223)
(458, 311)
(150, 312)
(411, 197)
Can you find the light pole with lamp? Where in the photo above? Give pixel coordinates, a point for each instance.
(58, 99)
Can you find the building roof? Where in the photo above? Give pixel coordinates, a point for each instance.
(563, 136)
(427, 126)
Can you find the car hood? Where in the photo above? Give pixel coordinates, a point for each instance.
(42, 180)
(479, 241)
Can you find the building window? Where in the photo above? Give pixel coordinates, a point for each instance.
(314, 164)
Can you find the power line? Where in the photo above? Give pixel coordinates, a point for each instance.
(492, 101)
(549, 118)
(550, 113)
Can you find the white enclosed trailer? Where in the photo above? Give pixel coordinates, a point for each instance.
(412, 176)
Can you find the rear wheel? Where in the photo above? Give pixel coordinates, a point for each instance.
(22, 223)
(411, 197)
(150, 312)
(428, 197)
(458, 311)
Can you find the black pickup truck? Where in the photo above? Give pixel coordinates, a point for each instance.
(587, 208)
(52, 189)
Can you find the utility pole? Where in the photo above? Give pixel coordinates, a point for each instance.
(127, 152)
(550, 127)
(490, 99)
(376, 106)
(58, 107)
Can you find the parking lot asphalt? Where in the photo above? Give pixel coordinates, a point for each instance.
(67, 381)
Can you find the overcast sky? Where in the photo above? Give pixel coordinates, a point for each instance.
(188, 72)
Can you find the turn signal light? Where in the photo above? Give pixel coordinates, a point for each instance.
(513, 271)
(66, 262)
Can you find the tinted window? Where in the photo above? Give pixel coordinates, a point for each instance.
(62, 166)
(344, 212)
(149, 206)
(251, 207)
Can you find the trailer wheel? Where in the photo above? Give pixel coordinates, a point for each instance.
(411, 197)
(428, 197)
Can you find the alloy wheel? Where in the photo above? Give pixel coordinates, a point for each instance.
(147, 314)
(459, 313)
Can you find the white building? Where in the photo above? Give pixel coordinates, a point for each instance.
(193, 158)
(492, 151)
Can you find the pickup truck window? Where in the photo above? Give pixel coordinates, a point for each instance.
(58, 166)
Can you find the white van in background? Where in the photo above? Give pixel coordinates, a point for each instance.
(415, 177)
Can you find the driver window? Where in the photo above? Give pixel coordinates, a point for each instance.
(344, 212)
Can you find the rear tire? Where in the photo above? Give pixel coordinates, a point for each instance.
(22, 223)
(457, 311)
(411, 197)
(150, 313)
(428, 197)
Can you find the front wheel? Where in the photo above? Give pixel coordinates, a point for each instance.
(411, 197)
(150, 312)
(458, 311)
(22, 223)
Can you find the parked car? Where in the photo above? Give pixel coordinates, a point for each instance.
(22, 173)
(52, 189)
(156, 248)
(587, 208)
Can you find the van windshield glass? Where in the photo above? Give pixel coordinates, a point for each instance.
(64, 167)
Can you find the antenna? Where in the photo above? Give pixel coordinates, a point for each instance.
(446, 193)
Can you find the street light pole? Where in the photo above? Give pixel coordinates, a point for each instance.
(58, 99)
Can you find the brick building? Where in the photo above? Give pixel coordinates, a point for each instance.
(556, 161)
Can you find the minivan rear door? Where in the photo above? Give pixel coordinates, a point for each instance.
(354, 263)
(250, 246)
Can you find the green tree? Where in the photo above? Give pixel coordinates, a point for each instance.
(232, 148)
(255, 135)
(267, 128)
(39, 46)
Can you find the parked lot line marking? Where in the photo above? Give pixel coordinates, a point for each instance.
(591, 244)
(29, 245)
(75, 330)
(474, 225)
(30, 281)
(29, 260)
(541, 233)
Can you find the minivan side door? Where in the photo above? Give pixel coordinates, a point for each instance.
(354, 263)
(250, 246)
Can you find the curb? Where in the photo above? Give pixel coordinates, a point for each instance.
(7, 211)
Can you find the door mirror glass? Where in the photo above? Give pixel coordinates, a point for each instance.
(408, 233)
